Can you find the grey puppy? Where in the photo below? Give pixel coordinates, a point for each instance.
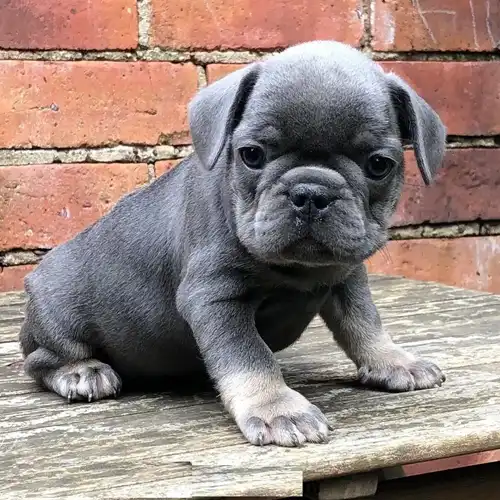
(298, 167)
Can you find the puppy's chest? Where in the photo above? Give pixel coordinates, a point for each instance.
(278, 306)
(279, 300)
(282, 316)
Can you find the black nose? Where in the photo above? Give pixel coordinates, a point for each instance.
(310, 200)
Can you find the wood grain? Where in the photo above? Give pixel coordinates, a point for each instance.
(164, 445)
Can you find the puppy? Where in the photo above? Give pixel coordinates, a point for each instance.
(298, 167)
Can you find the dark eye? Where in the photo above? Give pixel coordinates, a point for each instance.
(379, 167)
(252, 157)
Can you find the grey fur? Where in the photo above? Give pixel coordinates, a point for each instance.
(215, 266)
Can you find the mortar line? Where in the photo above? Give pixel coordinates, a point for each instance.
(202, 75)
(144, 16)
(151, 172)
(153, 53)
(367, 13)
(115, 154)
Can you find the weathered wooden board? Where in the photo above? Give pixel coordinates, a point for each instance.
(171, 445)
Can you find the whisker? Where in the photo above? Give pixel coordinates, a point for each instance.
(387, 255)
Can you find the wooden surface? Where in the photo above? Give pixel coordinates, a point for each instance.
(170, 445)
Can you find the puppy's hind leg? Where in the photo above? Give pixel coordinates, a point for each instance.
(70, 372)
(88, 379)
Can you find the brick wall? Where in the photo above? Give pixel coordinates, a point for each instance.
(93, 101)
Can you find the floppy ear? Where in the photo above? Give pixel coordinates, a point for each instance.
(216, 110)
(419, 124)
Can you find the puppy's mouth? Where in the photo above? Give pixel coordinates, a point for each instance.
(307, 245)
(309, 250)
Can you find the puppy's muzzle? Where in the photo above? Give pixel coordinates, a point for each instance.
(311, 201)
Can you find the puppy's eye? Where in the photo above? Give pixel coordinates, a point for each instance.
(253, 157)
(379, 167)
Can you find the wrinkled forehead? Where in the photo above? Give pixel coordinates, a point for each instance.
(317, 107)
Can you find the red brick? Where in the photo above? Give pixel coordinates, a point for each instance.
(466, 189)
(164, 166)
(12, 278)
(217, 71)
(465, 94)
(253, 24)
(68, 24)
(436, 25)
(44, 205)
(464, 262)
(93, 103)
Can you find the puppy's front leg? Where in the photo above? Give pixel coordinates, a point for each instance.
(244, 369)
(353, 318)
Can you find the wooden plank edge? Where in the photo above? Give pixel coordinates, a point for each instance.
(441, 464)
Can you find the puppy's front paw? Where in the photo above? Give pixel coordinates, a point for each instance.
(402, 375)
(288, 419)
(87, 380)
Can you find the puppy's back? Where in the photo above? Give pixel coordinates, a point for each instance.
(117, 252)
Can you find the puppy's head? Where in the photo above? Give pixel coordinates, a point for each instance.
(313, 138)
